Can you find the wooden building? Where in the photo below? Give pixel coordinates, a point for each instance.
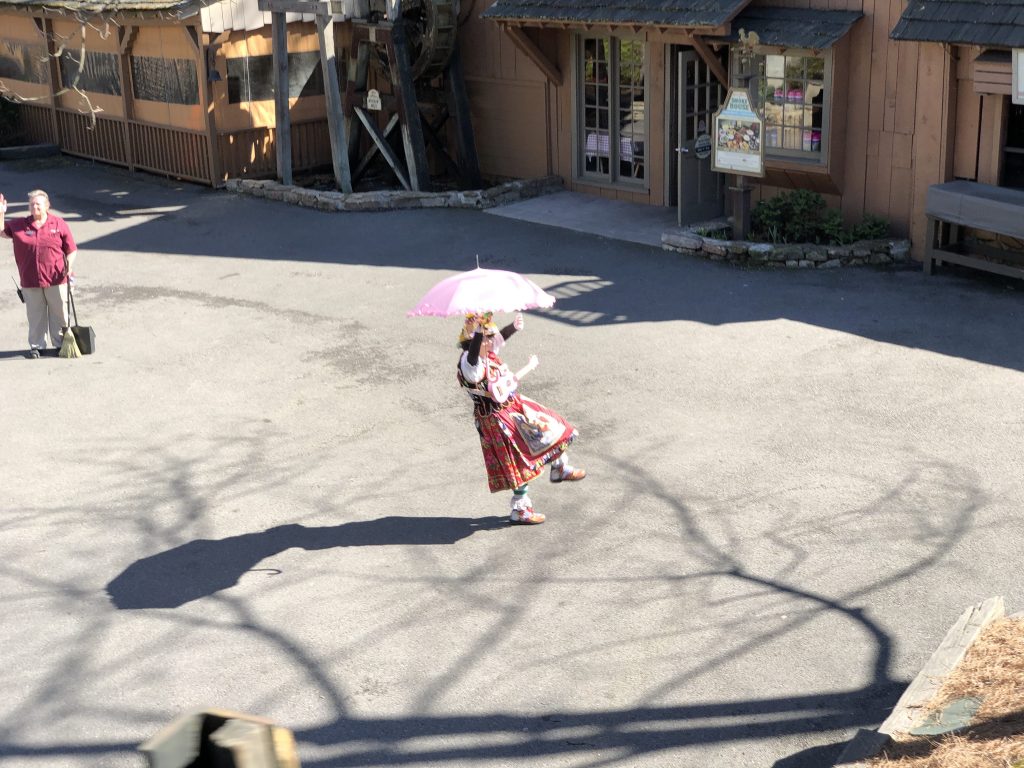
(611, 94)
(174, 87)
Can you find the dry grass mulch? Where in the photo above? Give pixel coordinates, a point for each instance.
(993, 671)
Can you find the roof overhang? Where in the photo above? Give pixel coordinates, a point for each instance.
(990, 23)
(700, 17)
(793, 27)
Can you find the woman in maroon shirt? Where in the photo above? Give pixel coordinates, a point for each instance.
(45, 252)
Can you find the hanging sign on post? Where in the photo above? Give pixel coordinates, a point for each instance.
(738, 136)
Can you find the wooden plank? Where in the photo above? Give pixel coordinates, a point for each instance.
(854, 111)
(126, 36)
(879, 55)
(282, 112)
(990, 140)
(530, 49)
(943, 661)
(384, 147)
(335, 118)
(409, 113)
(358, 71)
(906, 86)
(375, 148)
(711, 60)
(968, 126)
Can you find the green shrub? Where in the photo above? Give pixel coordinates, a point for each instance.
(871, 228)
(801, 216)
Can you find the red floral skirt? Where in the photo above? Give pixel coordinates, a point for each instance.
(519, 440)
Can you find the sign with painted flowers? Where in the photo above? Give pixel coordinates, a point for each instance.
(738, 136)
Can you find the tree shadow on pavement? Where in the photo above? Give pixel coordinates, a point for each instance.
(204, 567)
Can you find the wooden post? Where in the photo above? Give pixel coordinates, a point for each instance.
(282, 115)
(45, 27)
(408, 110)
(126, 38)
(204, 50)
(358, 70)
(741, 190)
(335, 117)
(458, 100)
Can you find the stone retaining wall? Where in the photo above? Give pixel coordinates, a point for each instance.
(389, 200)
(789, 255)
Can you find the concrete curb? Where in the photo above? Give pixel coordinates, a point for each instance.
(867, 744)
(390, 200)
(29, 151)
(788, 255)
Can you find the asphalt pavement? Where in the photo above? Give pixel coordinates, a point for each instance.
(264, 492)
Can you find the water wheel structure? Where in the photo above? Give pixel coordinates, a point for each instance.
(411, 44)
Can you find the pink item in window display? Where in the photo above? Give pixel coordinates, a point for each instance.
(795, 94)
(779, 95)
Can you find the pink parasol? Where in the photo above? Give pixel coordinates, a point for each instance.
(482, 290)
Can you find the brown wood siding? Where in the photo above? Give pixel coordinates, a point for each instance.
(968, 119)
(993, 77)
(511, 101)
(990, 144)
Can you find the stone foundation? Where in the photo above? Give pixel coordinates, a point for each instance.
(788, 255)
(390, 200)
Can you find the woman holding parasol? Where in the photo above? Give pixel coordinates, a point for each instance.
(518, 437)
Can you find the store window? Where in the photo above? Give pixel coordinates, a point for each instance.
(1013, 151)
(792, 90)
(612, 109)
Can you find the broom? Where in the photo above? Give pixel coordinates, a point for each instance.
(68, 346)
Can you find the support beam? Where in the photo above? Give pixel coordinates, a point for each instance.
(126, 38)
(282, 112)
(206, 58)
(711, 60)
(365, 162)
(530, 50)
(409, 113)
(382, 144)
(335, 117)
(45, 27)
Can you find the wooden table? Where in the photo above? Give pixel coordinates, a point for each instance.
(955, 205)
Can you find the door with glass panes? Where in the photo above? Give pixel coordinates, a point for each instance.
(700, 191)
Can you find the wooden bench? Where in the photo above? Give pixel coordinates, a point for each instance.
(955, 205)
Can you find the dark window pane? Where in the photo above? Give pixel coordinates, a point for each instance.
(1013, 170)
(170, 81)
(1015, 126)
(98, 72)
(23, 61)
(251, 78)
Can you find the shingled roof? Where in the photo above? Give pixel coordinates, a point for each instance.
(179, 8)
(794, 27)
(671, 13)
(998, 23)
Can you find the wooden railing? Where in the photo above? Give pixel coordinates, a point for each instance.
(99, 139)
(252, 152)
(36, 123)
(176, 152)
